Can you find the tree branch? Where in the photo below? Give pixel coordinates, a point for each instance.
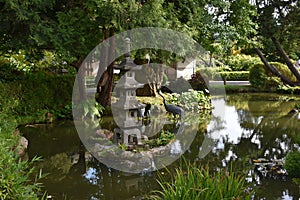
(285, 57)
(274, 71)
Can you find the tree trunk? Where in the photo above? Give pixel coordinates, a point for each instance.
(283, 54)
(80, 78)
(105, 84)
(283, 78)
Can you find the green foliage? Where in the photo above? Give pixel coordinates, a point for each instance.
(15, 174)
(90, 109)
(62, 113)
(36, 94)
(197, 182)
(61, 25)
(287, 89)
(164, 138)
(192, 100)
(212, 73)
(282, 24)
(297, 106)
(284, 70)
(260, 77)
(257, 76)
(241, 62)
(29, 98)
(7, 71)
(235, 75)
(292, 163)
(15, 64)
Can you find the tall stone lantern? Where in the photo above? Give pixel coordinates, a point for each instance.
(127, 109)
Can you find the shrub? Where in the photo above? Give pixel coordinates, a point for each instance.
(36, 94)
(235, 75)
(192, 100)
(292, 163)
(257, 76)
(283, 69)
(212, 73)
(20, 62)
(196, 182)
(8, 72)
(261, 77)
(241, 62)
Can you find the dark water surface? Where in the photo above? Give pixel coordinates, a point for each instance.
(248, 127)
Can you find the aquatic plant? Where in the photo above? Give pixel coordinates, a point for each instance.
(292, 164)
(197, 182)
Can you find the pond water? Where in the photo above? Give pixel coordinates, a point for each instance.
(249, 127)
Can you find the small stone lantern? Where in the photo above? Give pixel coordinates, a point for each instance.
(127, 109)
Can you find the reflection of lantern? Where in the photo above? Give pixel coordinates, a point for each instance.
(127, 109)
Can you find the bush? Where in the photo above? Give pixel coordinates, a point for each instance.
(292, 163)
(36, 94)
(261, 77)
(196, 182)
(283, 69)
(241, 62)
(15, 176)
(257, 76)
(212, 73)
(192, 100)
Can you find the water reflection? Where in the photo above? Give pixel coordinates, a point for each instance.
(253, 126)
(259, 126)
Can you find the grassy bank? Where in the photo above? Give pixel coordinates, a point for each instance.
(27, 100)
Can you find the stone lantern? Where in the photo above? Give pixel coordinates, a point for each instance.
(127, 109)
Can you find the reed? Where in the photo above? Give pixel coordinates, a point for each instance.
(196, 182)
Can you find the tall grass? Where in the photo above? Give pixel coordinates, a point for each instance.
(199, 183)
(15, 174)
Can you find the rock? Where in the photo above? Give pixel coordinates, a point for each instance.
(22, 146)
(104, 133)
(100, 133)
(130, 165)
(145, 162)
(127, 155)
(49, 117)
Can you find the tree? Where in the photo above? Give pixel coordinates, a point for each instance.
(279, 25)
(73, 28)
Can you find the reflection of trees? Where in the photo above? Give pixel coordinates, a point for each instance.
(268, 130)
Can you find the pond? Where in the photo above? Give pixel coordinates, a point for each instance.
(251, 127)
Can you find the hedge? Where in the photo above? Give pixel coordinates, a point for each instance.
(36, 94)
(235, 75)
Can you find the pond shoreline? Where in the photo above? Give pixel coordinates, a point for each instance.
(37, 118)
